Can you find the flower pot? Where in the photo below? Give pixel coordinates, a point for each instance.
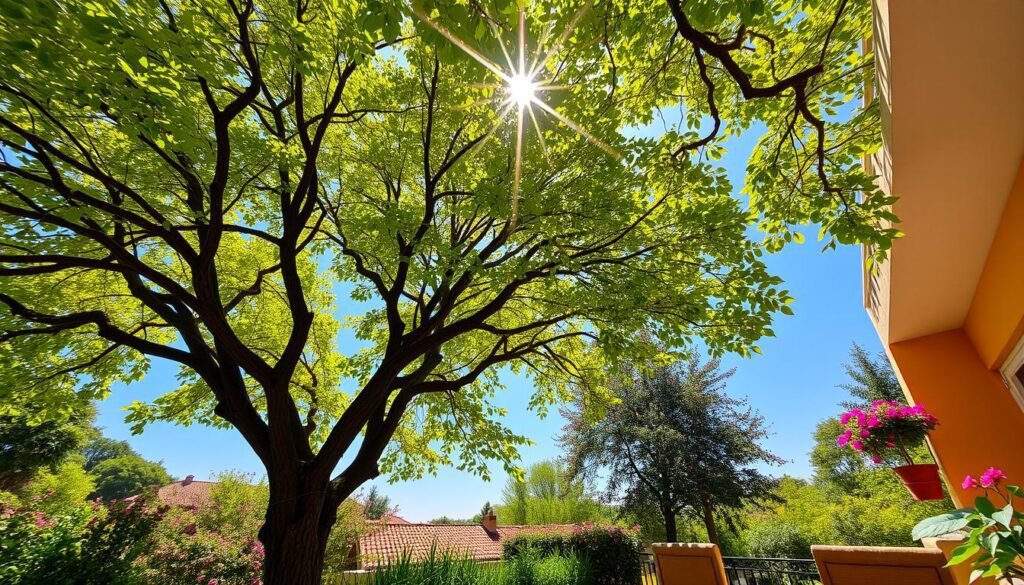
(922, 481)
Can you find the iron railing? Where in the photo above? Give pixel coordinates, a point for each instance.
(751, 571)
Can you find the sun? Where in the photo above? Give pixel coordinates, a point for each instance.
(522, 90)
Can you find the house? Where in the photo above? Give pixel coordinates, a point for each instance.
(388, 542)
(948, 304)
(187, 493)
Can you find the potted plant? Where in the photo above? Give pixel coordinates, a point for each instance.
(995, 533)
(886, 432)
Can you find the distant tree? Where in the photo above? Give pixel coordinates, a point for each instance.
(675, 441)
(486, 509)
(547, 495)
(100, 448)
(448, 521)
(872, 378)
(514, 498)
(28, 445)
(376, 505)
(125, 476)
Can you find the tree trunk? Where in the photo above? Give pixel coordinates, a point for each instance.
(295, 533)
(671, 532)
(709, 520)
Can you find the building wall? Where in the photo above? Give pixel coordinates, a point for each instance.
(981, 424)
(995, 320)
(955, 374)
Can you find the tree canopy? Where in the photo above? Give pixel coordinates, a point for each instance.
(674, 442)
(210, 182)
(28, 444)
(125, 476)
(547, 495)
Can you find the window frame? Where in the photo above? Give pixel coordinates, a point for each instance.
(1013, 364)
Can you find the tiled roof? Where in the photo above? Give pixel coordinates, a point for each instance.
(384, 544)
(186, 493)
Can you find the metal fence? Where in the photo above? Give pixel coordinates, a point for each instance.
(752, 571)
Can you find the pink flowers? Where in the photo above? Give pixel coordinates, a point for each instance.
(885, 430)
(989, 479)
(41, 521)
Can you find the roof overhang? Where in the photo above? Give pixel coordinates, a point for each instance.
(950, 79)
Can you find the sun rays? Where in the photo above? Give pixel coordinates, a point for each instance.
(521, 89)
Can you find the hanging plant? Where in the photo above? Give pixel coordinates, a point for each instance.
(886, 432)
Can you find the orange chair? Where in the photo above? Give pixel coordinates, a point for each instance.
(880, 565)
(680, 563)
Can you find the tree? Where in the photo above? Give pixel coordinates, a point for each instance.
(445, 520)
(100, 448)
(125, 476)
(28, 445)
(872, 378)
(674, 441)
(376, 505)
(60, 490)
(547, 495)
(188, 181)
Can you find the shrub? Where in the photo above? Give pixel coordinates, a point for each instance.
(613, 553)
(528, 567)
(778, 539)
(186, 554)
(87, 546)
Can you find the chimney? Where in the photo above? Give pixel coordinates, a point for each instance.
(490, 522)
(188, 479)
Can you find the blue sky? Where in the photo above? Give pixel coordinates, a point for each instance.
(793, 384)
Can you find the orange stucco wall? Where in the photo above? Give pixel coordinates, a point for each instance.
(995, 320)
(981, 424)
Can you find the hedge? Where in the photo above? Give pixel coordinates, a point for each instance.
(613, 553)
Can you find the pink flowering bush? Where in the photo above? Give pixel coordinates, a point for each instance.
(994, 527)
(886, 431)
(189, 555)
(89, 545)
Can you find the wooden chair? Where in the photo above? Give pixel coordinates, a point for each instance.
(680, 563)
(879, 565)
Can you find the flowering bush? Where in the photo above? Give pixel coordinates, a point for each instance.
(886, 430)
(189, 555)
(613, 553)
(85, 546)
(995, 530)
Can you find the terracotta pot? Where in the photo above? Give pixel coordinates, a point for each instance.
(921, 480)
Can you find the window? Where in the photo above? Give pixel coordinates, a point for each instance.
(1013, 373)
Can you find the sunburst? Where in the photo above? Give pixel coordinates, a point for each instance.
(522, 88)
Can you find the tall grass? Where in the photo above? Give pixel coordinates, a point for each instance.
(447, 568)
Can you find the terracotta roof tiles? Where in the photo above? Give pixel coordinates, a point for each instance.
(384, 544)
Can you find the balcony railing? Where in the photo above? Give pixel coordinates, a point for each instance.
(753, 571)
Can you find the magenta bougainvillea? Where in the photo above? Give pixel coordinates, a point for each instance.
(885, 431)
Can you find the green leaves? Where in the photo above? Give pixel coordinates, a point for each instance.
(995, 544)
(942, 524)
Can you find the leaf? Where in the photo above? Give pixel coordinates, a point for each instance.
(963, 553)
(1004, 516)
(941, 525)
(984, 506)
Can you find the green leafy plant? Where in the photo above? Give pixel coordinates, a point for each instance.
(613, 552)
(86, 546)
(995, 533)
